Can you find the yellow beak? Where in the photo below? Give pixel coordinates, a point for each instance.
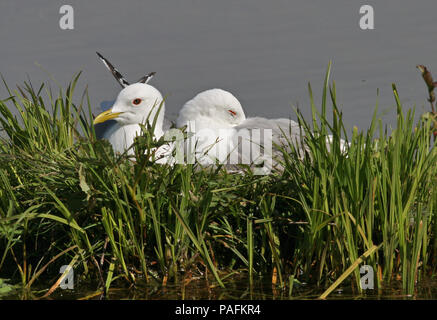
(105, 116)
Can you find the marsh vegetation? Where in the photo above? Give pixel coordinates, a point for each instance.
(120, 222)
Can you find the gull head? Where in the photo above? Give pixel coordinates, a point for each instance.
(135, 104)
(214, 106)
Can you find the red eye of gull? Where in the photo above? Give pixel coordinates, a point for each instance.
(232, 112)
(137, 101)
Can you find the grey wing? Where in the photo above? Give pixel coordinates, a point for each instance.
(284, 133)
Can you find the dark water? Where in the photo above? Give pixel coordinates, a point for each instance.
(265, 52)
(236, 289)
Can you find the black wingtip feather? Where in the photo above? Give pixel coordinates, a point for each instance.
(117, 75)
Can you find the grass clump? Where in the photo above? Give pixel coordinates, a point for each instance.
(65, 198)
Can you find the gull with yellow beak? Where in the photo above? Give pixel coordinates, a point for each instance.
(135, 104)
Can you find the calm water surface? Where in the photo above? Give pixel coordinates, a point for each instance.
(236, 289)
(265, 52)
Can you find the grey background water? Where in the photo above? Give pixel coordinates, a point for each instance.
(265, 52)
